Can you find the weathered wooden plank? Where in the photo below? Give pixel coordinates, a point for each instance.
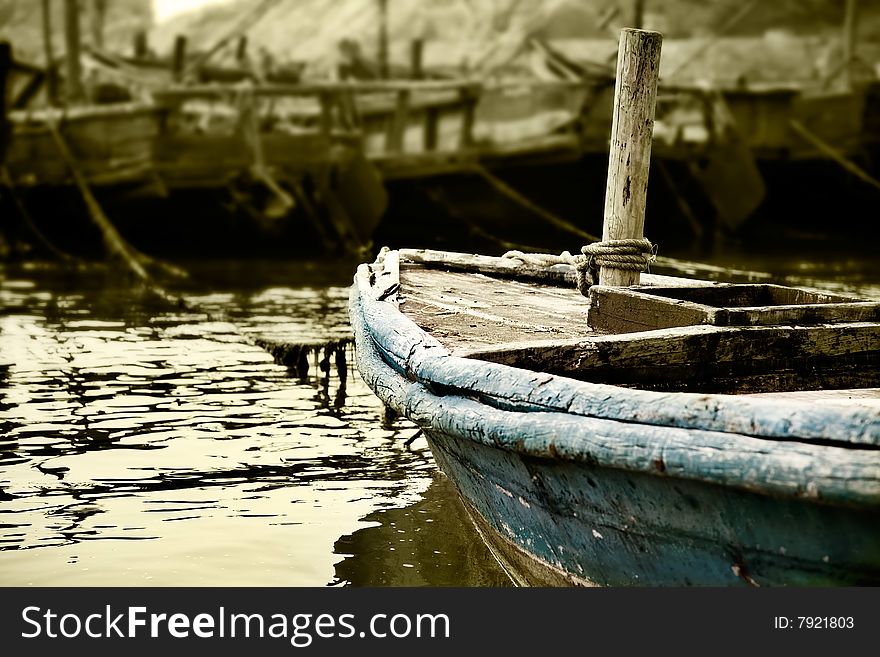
(621, 310)
(385, 278)
(846, 397)
(432, 117)
(193, 157)
(69, 115)
(708, 360)
(360, 87)
(509, 267)
(739, 295)
(466, 310)
(454, 307)
(453, 159)
(398, 122)
(363, 86)
(100, 138)
(469, 98)
(326, 120)
(864, 311)
(109, 147)
(379, 105)
(564, 274)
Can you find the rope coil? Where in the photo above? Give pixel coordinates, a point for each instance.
(632, 255)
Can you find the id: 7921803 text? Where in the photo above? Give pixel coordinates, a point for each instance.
(813, 622)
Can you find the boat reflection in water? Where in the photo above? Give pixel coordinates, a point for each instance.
(429, 543)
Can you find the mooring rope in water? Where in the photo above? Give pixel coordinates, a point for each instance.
(632, 255)
(295, 356)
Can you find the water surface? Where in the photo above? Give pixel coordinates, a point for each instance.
(146, 447)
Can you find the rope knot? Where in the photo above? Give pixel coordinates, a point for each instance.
(632, 255)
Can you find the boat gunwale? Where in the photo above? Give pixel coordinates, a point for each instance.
(401, 362)
(418, 353)
(39, 117)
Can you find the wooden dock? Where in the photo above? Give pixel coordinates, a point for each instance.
(330, 149)
(327, 148)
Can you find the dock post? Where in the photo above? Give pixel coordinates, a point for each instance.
(850, 26)
(638, 14)
(5, 127)
(629, 159)
(469, 95)
(396, 133)
(140, 46)
(383, 40)
(178, 58)
(51, 69)
(97, 18)
(74, 83)
(416, 54)
(241, 50)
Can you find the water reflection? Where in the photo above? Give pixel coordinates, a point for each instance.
(142, 446)
(429, 543)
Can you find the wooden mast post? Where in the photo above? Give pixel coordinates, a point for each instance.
(5, 69)
(635, 95)
(384, 67)
(178, 58)
(638, 14)
(416, 52)
(74, 83)
(140, 47)
(850, 25)
(51, 70)
(97, 16)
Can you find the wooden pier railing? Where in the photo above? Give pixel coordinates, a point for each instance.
(406, 127)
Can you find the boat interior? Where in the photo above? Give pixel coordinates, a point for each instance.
(480, 307)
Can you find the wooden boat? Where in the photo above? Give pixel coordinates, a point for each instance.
(702, 454)
(113, 144)
(670, 433)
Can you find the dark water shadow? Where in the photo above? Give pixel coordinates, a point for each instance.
(429, 543)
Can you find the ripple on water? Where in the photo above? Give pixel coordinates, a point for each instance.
(167, 449)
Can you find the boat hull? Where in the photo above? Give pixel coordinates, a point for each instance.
(552, 523)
